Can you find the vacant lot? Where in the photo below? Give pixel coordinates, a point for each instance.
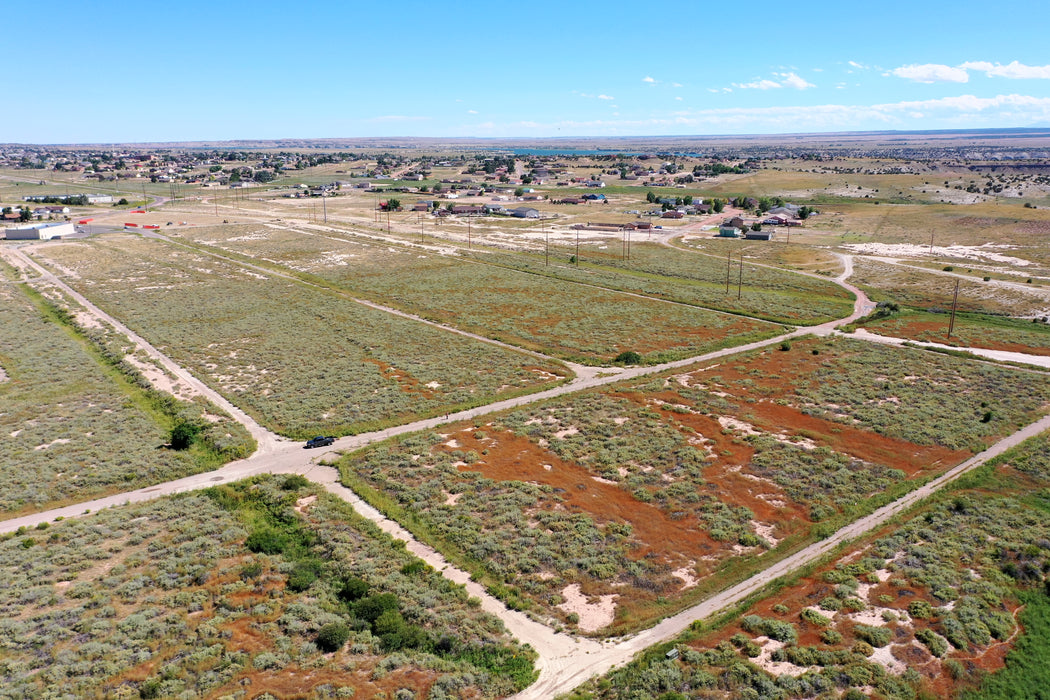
(970, 331)
(573, 321)
(607, 509)
(263, 583)
(926, 290)
(775, 295)
(301, 360)
(930, 606)
(69, 427)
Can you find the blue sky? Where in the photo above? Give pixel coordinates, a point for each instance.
(112, 71)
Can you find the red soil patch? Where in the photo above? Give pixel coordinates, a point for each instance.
(408, 383)
(295, 682)
(514, 458)
(935, 332)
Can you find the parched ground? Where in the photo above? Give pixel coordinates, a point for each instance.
(930, 605)
(640, 496)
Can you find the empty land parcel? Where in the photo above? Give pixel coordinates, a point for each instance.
(608, 509)
(72, 427)
(930, 605)
(301, 360)
(268, 584)
(580, 322)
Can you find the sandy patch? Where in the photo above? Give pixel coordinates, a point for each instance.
(453, 443)
(571, 430)
(57, 441)
(983, 253)
(303, 503)
(3, 375)
(730, 423)
(686, 574)
(600, 480)
(593, 616)
(433, 385)
(777, 668)
(765, 531)
(452, 498)
(161, 380)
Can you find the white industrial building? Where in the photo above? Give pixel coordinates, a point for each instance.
(39, 232)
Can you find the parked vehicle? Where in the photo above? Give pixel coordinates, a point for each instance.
(319, 441)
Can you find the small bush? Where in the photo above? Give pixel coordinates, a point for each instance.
(920, 609)
(785, 346)
(332, 636)
(353, 589)
(183, 434)
(294, 482)
(629, 357)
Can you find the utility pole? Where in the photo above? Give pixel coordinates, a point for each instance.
(729, 263)
(931, 242)
(955, 302)
(577, 247)
(324, 204)
(547, 247)
(420, 229)
(740, 279)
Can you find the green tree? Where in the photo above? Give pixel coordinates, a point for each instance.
(650, 197)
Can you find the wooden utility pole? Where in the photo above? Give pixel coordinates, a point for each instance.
(420, 228)
(740, 279)
(729, 263)
(324, 204)
(577, 247)
(931, 242)
(955, 303)
(547, 247)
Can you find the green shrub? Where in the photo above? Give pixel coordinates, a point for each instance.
(267, 541)
(630, 357)
(333, 636)
(933, 641)
(184, 433)
(830, 636)
(876, 636)
(294, 482)
(920, 609)
(303, 575)
(813, 617)
(353, 589)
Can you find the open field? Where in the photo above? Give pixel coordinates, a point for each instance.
(885, 281)
(73, 427)
(969, 331)
(931, 605)
(552, 316)
(299, 359)
(662, 272)
(265, 583)
(607, 509)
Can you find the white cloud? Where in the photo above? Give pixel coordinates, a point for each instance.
(1014, 69)
(679, 99)
(713, 90)
(963, 111)
(793, 81)
(859, 66)
(932, 73)
(763, 84)
(676, 85)
(606, 97)
(472, 111)
(648, 79)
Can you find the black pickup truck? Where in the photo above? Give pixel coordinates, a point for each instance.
(319, 441)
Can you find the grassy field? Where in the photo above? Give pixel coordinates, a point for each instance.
(646, 495)
(266, 583)
(929, 606)
(556, 317)
(300, 360)
(73, 426)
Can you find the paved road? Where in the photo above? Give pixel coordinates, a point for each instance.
(564, 661)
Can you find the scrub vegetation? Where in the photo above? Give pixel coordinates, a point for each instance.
(649, 493)
(951, 602)
(301, 360)
(76, 422)
(266, 583)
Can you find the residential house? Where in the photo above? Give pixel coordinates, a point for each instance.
(525, 213)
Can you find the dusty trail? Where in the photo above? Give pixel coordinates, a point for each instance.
(564, 661)
(267, 441)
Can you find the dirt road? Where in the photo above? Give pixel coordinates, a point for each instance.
(564, 661)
